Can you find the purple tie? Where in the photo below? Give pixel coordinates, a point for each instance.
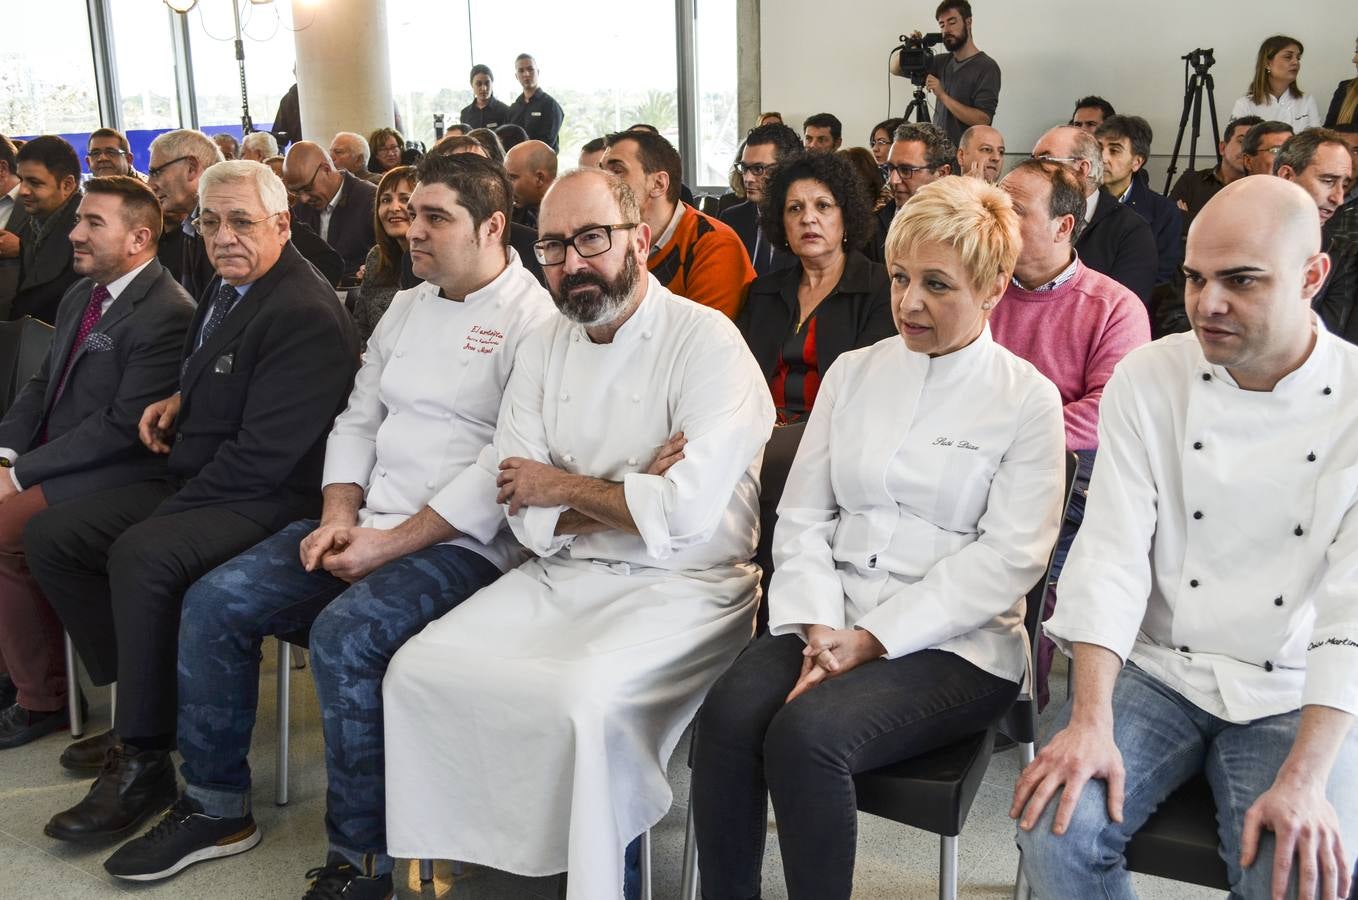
(93, 310)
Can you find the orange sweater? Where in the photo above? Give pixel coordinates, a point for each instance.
(704, 261)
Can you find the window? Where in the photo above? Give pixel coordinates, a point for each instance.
(269, 58)
(143, 52)
(46, 70)
(719, 131)
(430, 63)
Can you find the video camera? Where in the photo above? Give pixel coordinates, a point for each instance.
(1201, 60)
(911, 59)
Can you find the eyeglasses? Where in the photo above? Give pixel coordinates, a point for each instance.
(309, 189)
(1063, 160)
(905, 173)
(109, 152)
(241, 227)
(758, 170)
(157, 171)
(589, 242)
(880, 142)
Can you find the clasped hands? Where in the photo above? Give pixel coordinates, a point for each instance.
(831, 652)
(346, 551)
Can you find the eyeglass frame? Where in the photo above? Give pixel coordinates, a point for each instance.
(909, 173)
(539, 250)
(156, 171)
(310, 187)
(1059, 160)
(765, 169)
(202, 228)
(880, 142)
(101, 152)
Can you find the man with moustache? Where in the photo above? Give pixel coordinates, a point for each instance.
(1261, 144)
(965, 81)
(980, 153)
(72, 430)
(178, 159)
(766, 148)
(109, 153)
(581, 668)
(1193, 189)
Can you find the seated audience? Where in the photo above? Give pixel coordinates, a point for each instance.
(511, 136)
(534, 110)
(387, 146)
(766, 148)
(769, 118)
(1126, 145)
(228, 144)
(980, 153)
(349, 152)
(592, 153)
(269, 359)
(922, 504)
(495, 151)
(1274, 93)
(178, 160)
(582, 667)
(1072, 323)
(1090, 113)
(382, 268)
(531, 166)
(451, 144)
(861, 161)
(48, 194)
(822, 133)
(1344, 223)
(831, 299)
(879, 141)
(11, 213)
(1193, 189)
(485, 111)
(107, 152)
(1207, 601)
(332, 202)
(920, 154)
(72, 429)
(692, 254)
(393, 548)
(1344, 104)
(259, 146)
(1115, 241)
(1261, 144)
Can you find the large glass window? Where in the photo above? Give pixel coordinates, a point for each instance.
(718, 118)
(143, 52)
(47, 69)
(270, 55)
(430, 62)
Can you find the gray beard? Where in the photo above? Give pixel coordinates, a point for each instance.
(603, 305)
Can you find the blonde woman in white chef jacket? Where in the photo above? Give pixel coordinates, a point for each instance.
(922, 505)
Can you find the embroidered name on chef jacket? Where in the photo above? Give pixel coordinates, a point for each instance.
(483, 340)
(949, 442)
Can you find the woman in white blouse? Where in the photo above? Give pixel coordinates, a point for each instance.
(922, 505)
(1274, 94)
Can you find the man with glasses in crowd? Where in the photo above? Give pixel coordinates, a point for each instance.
(920, 154)
(331, 202)
(268, 361)
(178, 160)
(109, 153)
(766, 148)
(1193, 189)
(1261, 145)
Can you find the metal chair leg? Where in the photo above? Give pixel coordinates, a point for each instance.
(113, 704)
(646, 865)
(73, 691)
(284, 696)
(1027, 753)
(426, 871)
(688, 889)
(947, 868)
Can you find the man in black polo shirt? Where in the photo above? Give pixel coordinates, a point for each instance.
(1193, 189)
(965, 81)
(534, 110)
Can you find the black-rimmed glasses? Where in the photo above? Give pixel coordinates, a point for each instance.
(591, 241)
(157, 171)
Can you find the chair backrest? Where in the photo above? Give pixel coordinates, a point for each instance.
(23, 347)
(709, 205)
(778, 455)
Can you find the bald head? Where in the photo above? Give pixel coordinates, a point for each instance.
(532, 169)
(980, 153)
(309, 173)
(1075, 149)
(1236, 210)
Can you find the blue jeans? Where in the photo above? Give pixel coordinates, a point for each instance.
(1165, 740)
(355, 630)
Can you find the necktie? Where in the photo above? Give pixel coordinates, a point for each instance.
(93, 310)
(222, 305)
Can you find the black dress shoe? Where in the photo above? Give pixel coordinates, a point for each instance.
(339, 880)
(132, 785)
(8, 692)
(87, 756)
(18, 726)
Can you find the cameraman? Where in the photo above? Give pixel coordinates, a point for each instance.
(965, 80)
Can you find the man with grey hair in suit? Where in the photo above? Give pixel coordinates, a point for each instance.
(73, 428)
(349, 151)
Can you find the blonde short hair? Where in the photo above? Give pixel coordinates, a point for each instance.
(974, 218)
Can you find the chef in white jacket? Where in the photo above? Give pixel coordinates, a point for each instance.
(1211, 599)
(922, 505)
(561, 690)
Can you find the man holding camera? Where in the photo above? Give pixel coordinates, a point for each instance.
(965, 81)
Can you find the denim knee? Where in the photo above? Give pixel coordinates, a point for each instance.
(1092, 845)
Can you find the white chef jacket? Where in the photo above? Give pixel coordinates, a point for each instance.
(1299, 112)
(923, 503)
(602, 410)
(1219, 550)
(425, 403)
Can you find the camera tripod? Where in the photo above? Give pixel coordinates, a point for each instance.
(1201, 80)
(919, 106)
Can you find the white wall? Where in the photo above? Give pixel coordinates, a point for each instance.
(819, 56)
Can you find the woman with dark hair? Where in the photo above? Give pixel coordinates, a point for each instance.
(879, 139)
(798, 320)
(491, 141)
(1274, 94)
(382, 269)
(866, 166)
(511, 135)
(485, 111)
(386, 146)
(1344, 104)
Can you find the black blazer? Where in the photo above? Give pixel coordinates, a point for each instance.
(45, 268)
(10, 269)
(259, 396)
(857, 313)
(1332, 114)
(1119, 243)
(129, 360)
(744, 221)
(1167, 224)
(351, 225)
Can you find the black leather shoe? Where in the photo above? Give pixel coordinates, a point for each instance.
(18, 726)
(132, 785)
(87, 756)
(8, 692)
(339, 880)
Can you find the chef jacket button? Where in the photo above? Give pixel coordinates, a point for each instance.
(631, 460)
(1193, 583)
(1297, 531)
(1197, 514)
(569, 458)
(1206, 376)
(1197, 445)
(1185, 649)
(636, 398)
(1277, 601)
(1310, 457)
(647, 336)
(429, 485)
(395, 411)
(400, 353)
(1327, 392)
(565, 396)
(1268, 666)
(466, 360)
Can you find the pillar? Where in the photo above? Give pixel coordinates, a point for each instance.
(343, 67)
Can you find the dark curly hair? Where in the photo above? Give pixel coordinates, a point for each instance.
(845, 184)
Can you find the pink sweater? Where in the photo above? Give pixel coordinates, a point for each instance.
(1075, 335)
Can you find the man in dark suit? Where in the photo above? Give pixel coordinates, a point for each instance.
(73, 428)
(332, 202)
(178, 159)
(10, 213)
(267, 364)
(1116, 241)
(49, 192)
(766, 148)
(1126, 145)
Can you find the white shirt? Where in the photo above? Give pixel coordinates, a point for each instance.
(1251, 609)
(924, 502)
(8, 202)
(425, 403)
(330, 211)
(602, 410)
(1091, 204)
(1299, 112)
(667, 235)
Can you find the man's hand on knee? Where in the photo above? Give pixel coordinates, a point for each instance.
(1306, 830)
(1075, 755)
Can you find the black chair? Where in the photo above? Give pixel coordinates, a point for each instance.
(23, 347)
(1180, 840)
(708, 205)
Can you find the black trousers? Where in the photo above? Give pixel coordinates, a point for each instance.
(116, 573)
(752, 745)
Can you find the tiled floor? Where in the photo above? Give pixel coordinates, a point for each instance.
(894, 863)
